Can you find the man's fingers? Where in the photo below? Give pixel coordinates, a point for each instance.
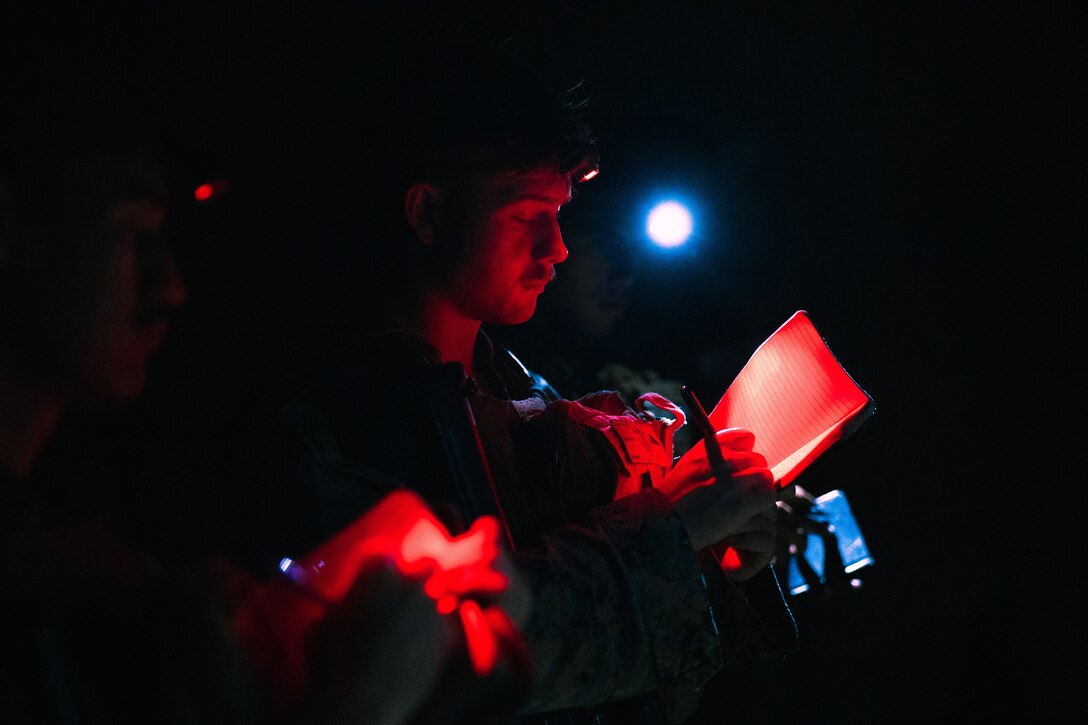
(736, 439)
(736, 462)
(762, 523)
(757, 479)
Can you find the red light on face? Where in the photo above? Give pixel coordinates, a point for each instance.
(204, 192)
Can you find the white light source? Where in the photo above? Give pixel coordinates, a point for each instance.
(669, 224)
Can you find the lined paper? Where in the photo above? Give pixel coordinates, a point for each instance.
(795, 397)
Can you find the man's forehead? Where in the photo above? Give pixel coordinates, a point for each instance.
(139, 213)
(109, 179)
(546, 185)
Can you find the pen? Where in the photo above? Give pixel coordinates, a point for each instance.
(710, 436)
(713, 450)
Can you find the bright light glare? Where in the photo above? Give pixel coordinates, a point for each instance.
(669, 224)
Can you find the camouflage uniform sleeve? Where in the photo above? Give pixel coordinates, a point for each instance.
(621, 607)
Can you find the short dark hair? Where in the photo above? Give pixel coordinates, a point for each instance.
(450, 104)
(475, 107)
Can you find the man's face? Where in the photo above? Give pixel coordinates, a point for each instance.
(105, 286)
(506, 228)
(138, 288)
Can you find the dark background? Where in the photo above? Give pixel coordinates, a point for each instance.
(903, 172)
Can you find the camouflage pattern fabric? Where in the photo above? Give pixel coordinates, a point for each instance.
(624, 611)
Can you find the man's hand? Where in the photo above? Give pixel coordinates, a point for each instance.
(715, 505)
(748, 552)
(382, 650)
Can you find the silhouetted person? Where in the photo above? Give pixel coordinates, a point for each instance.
(98, 628)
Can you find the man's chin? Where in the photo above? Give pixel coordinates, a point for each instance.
(518, 316)
(117, 386)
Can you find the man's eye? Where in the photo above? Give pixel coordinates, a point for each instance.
(533, 217)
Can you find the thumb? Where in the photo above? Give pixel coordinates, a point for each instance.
(737, 439)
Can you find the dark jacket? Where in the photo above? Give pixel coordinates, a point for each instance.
(623, 606)
(99, 632)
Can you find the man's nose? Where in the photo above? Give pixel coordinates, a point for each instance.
(164, 284)
(550, 248)
(173, 291)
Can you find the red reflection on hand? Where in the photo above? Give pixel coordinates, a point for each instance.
(401, 528)
(457, 565)
(483, 645)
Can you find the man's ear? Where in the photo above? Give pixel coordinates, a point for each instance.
(421, 203)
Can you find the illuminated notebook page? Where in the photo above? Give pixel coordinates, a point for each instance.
(795, 397)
